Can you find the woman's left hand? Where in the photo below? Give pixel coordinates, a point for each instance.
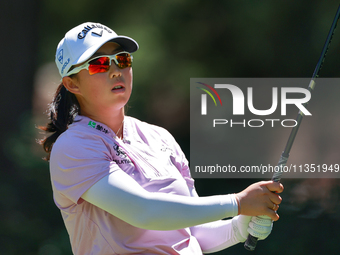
(257, 226)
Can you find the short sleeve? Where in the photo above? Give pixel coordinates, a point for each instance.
(77, 163)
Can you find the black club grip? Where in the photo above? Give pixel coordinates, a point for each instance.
(250, 243)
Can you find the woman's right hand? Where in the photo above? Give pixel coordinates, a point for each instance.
(260, 199)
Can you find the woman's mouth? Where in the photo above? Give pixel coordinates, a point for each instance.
(118, 88)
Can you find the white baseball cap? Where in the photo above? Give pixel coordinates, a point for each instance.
(81, 42)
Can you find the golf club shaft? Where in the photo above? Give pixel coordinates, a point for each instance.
(251, 241)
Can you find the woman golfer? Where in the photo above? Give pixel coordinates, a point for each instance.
(123, 186)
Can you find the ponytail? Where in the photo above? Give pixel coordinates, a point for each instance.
(63, 110)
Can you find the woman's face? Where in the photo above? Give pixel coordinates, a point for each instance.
(108, 91)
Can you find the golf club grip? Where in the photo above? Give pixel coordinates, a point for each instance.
(251, 241)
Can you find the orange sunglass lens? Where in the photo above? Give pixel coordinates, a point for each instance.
(99, 65)
(124, 60)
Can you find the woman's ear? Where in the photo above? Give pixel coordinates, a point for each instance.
(71, 85)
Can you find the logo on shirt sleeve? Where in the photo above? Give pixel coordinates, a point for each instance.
(165, 148)
(124, 159)
(92, 124)
(97, 127)
(118, 150)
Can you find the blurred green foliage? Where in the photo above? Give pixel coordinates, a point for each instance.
(178, 39)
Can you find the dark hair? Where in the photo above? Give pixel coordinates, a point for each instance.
(63, 109)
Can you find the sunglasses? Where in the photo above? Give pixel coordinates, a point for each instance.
(102, 64)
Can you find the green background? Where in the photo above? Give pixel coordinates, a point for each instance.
(178, 40)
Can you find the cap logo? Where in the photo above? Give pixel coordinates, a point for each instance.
(86, 29)
(100, 35)
(64, 65)
(60, 56)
